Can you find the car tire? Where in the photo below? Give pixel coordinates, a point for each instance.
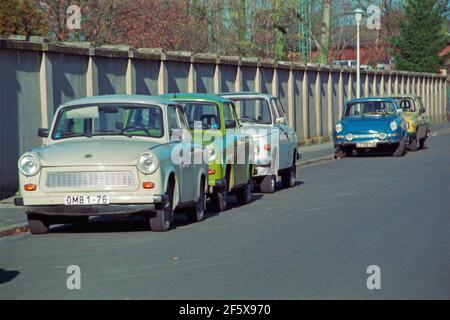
(161, 221)
(400, 150)
(244, 194)
(219, 199)
(197, 211)
(413, 143)
(423, 142)
(38, 224)
(268, 184)
(288, 177)
(341, 153)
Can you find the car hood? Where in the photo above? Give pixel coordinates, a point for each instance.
(93, 151)
(411, 116)
(376, 123)
(257, 131)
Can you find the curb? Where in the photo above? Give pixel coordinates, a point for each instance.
(14, 229)
(316, 160)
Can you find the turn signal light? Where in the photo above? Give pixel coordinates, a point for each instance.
(30, 187)
(148, 185)
(211, 171)
(267, 147)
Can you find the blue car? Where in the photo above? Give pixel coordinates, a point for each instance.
(371, 124)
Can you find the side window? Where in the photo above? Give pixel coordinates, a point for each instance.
(173, 120)
(228, 114)
(279, 110)
(182, 117)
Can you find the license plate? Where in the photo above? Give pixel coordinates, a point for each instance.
(366, 145)
(86, 200)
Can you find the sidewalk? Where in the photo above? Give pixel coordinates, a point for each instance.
(12, 219)
(316, 153)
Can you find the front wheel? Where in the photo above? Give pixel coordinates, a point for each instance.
(413, 143)
(164, 216)
(244, 194)
(38, 224)
(400, 150)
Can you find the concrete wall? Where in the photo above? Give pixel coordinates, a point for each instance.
(37, 76)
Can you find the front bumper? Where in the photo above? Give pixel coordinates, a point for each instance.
(380, 143)
(157, 203)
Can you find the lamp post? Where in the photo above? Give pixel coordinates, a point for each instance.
(358, 17)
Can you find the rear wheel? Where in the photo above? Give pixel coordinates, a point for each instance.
(268, 184)
(38, 224)
(423, 141)
(196, 212)
(288, 177)
(164, 215)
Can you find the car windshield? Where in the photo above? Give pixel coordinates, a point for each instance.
(369, 108)
(100, 120)
(204, 113)
(406, 104)
(253, 110)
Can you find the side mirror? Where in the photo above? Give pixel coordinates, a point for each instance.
(280, 120)
(422, 110)
(43, 132)
(230, 124)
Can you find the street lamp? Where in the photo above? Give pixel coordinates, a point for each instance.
(358, 17)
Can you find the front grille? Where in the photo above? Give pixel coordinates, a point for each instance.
(89, 179)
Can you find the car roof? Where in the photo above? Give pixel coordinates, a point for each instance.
(195, 96)
(401, 96)
(389, 99)
(246, 93)
(118, 98)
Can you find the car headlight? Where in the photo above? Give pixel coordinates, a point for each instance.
(210, 152)
(148, 163)
(393, 125)
(29, 164)
(339, 127)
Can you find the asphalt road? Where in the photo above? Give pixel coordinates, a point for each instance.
(312, 241)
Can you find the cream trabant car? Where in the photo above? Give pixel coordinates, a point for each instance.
(113, 155)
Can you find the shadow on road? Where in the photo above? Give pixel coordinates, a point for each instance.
(6, 276)
(136, 223)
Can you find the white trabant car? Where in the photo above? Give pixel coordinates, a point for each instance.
(113, 155)
(275, 143)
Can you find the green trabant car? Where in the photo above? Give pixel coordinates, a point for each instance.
(112, 155)
(214, 123)
(414, 115)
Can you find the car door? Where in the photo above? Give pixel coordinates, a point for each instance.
(235, 141)
(286, 135)
(186, 167)
(422, 119)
